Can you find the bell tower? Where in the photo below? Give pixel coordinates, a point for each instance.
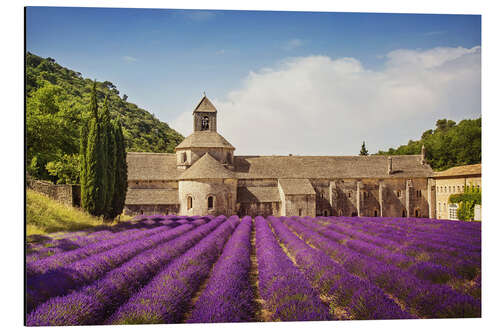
(205, 116)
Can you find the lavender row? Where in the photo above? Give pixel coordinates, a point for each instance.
(94, 303)
(432, 238)
(422, 298)
(359, 298)
(228, 296)
(61, 259)
(462, 263)
(82, 272)
(287, 294)
(166, 298)
(458, 235)
(424, 270)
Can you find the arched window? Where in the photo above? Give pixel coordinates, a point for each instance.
(189, 202)
(404, 213)
(300, 211)
(375, 213)
(354, 214)
(417, 213)
(204, 123)
(399, 194)
(210, 202)
(325, 212)
(183, 157)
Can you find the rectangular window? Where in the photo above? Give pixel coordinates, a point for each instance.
(453, 211)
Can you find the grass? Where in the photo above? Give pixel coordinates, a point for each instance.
(45, 215)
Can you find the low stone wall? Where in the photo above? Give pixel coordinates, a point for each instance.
(64, 193)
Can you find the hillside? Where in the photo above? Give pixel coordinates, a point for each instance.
(45, 215)
(448, 145)
(57, 101)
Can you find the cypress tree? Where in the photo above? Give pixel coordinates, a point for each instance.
(93, 190)
(93, 183)
(84, 131)
(120, 189)
(111, 157)
(105, 124)
(363, 151)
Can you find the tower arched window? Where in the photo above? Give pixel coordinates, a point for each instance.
(183, 157)
(210, 202)
(204, 123)
(228, 158)
(189, 202)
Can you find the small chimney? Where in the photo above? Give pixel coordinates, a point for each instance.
(389, 165)
(422, 153)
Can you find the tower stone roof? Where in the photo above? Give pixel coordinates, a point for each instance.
(205, 106)
(206, 167)
(205, 139)
(296, 186)
(465, 170)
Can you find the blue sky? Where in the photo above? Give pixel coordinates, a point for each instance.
(164, 59)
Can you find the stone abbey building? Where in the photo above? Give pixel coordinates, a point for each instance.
(204, 176)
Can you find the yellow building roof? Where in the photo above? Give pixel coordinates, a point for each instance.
(465, 170)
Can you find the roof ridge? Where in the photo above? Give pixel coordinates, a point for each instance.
(209, 107)
(206, 167)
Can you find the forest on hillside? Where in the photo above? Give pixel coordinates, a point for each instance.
(57, 103)
(448, 145)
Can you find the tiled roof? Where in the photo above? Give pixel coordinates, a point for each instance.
(205, 139)
(152, 166)
(258, 194)
(296, 186)
(374, 166)
(140, 196)
(206, 167)
(465, 170)
(205, 106)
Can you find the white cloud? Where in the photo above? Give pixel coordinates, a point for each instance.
(293, 44)
(319, 105)
(129, 59)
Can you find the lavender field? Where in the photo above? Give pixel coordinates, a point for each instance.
(175, 269)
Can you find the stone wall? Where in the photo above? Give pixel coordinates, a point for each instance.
(64, 193)
(166, 184)
(223, 193)
(377, 197)
(133, 210)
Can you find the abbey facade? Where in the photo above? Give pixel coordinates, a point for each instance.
(204, 177)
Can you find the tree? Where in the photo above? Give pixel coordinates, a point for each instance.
(363, 151)
(103, 166)
(449, 145)
(93, 195)
(121, 183)
(66, 169)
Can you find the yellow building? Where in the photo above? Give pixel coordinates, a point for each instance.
(452, 181)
